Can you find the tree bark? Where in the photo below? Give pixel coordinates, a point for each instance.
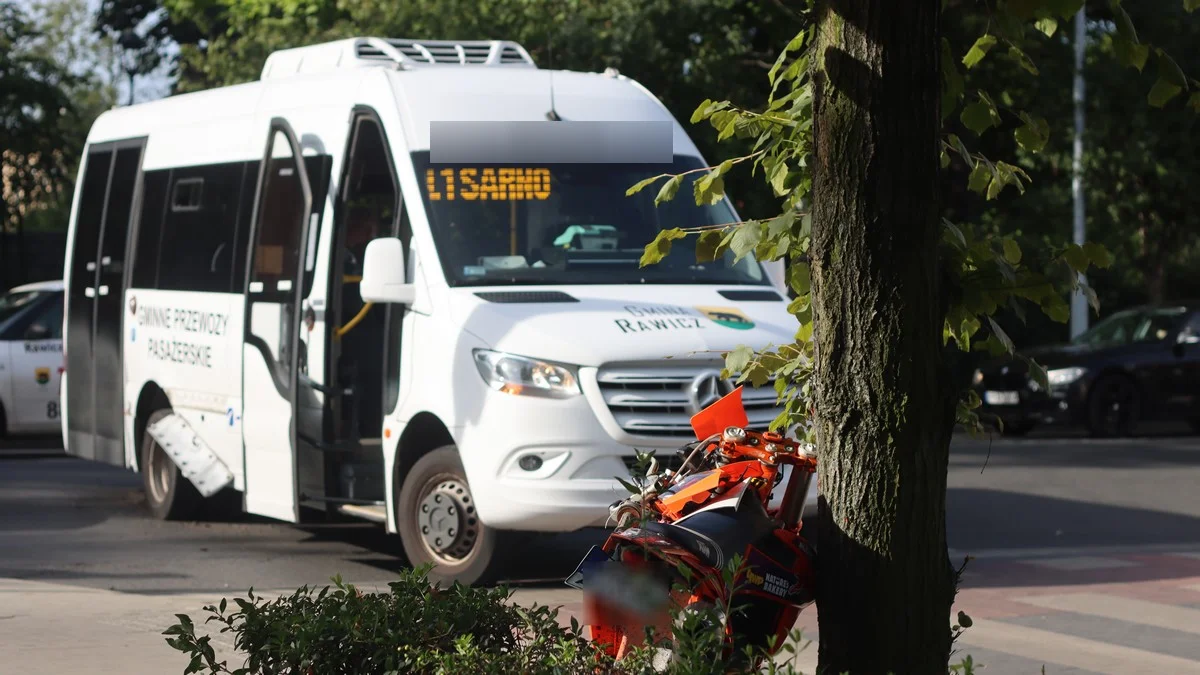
(883, 393)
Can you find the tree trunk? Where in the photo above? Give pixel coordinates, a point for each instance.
(884, 396)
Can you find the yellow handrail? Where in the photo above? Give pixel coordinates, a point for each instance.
(357, 318)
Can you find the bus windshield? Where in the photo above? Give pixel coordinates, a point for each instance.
(568, 224)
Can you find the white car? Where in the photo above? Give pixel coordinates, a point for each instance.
(31, 358)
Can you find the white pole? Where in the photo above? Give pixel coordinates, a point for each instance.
(1079, 305)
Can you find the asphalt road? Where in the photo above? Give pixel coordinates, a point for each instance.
(69, 521)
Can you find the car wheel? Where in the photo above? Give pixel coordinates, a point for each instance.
(169, 495)
(1113, 407)
(438, 524)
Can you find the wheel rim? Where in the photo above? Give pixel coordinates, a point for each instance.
(1116, 406)
(159, 474)
(446, 520)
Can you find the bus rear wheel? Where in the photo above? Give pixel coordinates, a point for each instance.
(438, 524)
(169, 495)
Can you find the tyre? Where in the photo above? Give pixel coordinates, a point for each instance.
(169, 495)
(1114, 406)
(438, 525)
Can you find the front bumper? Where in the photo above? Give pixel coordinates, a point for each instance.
(580, 462)
(1061, 406)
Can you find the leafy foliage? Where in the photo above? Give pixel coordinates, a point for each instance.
(983, 275)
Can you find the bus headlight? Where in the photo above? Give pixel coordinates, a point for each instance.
(519, 375)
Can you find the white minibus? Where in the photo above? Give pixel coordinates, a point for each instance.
(490, 363)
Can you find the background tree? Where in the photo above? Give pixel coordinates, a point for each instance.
(35, 113)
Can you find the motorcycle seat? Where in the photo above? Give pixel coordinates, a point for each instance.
(717, 533)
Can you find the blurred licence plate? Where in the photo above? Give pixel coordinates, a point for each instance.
(1001, 398)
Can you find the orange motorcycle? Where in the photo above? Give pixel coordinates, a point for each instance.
(675, 539)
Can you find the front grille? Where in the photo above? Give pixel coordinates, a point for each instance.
(655, 401)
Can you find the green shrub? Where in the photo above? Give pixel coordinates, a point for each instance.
(417, 628)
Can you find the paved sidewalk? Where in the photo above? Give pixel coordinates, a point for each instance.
(1080, 613)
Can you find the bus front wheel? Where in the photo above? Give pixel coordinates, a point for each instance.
(438, 524)
(169, 495)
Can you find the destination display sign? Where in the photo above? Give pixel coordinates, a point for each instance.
(488, 183)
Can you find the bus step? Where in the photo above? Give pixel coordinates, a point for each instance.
(376, 514)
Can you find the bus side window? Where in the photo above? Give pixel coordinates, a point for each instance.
(199, 228)
(149, 228)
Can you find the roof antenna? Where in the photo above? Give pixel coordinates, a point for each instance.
(553, 114)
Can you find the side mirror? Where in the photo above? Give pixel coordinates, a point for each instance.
(37, 331)
(383, 278)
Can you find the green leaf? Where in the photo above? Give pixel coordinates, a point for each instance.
(1194, 99)
(1038, 373)
(1130, 54)
(668, 190)
(800, 278)
(710, 189)
(1124, 24)
(1162, 92)
(637, 187)
(737, 360)
(944, 159)
(781, 224)
(661, 246)
(1022, 9)
(777, 177)
(796, 43)
(1005, 341)
(981, 175)
(978, 50)
(1090, 294)
(707, 108)
(746, 237)
(980, 115)
(1064, 9)
(1076, 257)
(1012, 252)
(1170, 71)
(708, 244)
(1098, 255)
(1022, 59)
(1191, 5)
(633, 489)
(955, 234)
(1047, 25)
(1033, 135)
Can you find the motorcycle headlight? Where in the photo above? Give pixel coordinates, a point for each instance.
(519, 375)
(1064, 376)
